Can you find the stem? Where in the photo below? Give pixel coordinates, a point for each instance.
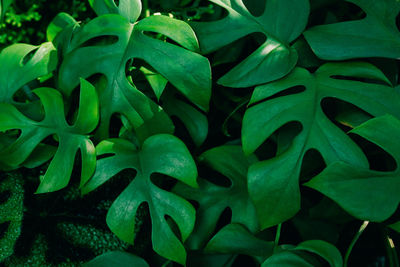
(391, 252)
(354, 241)
(277, 236)
(146, 8)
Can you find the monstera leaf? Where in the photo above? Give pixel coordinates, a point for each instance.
(275, 189)
(188, 71)
(11, 213)
(213, 199)
(282, 22)
(70, 138)
(376, 35)
(366, 194)
(17, 68)
(302, 255)
(164, 154)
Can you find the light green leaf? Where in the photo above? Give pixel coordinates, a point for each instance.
(116, 259)
(15, 72)
(213, 199)
(187, 71)
(70, 138)
(130, 9)
(281, 22)
(376, 35)
(365, 194)
(275, 190)
(164, 154)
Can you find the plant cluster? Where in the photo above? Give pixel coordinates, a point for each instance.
(216, 133)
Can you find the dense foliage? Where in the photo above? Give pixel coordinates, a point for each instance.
(199, 133)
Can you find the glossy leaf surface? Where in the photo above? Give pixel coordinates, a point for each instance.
(164, 154)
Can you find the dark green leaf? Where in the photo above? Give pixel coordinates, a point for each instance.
(365, 194)
(117, 259)
(164, 154)
(281, 22)
(376, 35)
(275, 189)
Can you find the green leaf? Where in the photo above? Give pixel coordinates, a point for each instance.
(70, 138)
(116, 259)
(15, 72)
(187, 71)
(395, 226)
(164, 154)
(286, 259)
(376, 35)
(365, 194)
(11, 212)
(323, 249)
(194, 120)
(281, 22)
(275, 190)
(236, 239)
(213, 199)
(130, 9)
(4, 4)
(156, 81)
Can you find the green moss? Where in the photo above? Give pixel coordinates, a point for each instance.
(11, 212)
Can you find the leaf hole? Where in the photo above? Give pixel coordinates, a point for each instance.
(224, 219)
(255, 7)
(3, 229)
(312, 165)
(398, 22)
(214, 176)
(163, 181)
(289, 91)
(346, 11)
(29, 56)
(102, 40)
(115, 125)
(378, 159)
(266, 150)
(343, 114)
(174, 226)
(358, 79)
(4, 196)
(285, 135)
(182, 133)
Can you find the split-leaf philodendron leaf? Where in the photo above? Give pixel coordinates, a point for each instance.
(376, 35)
(164, 154)
(71, 138)
(274, 188)
(364, 193)
(281, 23)
(188, 71)
(214, 199)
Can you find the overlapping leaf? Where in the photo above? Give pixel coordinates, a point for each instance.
(160, 153)
(70, 138)
(281, 22)
(273, 184)
(376, 35)
(299, 255)
(213, 199)
(17, 69)
(186, 70)
(366, 194)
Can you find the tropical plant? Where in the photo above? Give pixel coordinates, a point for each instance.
(220, 133)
